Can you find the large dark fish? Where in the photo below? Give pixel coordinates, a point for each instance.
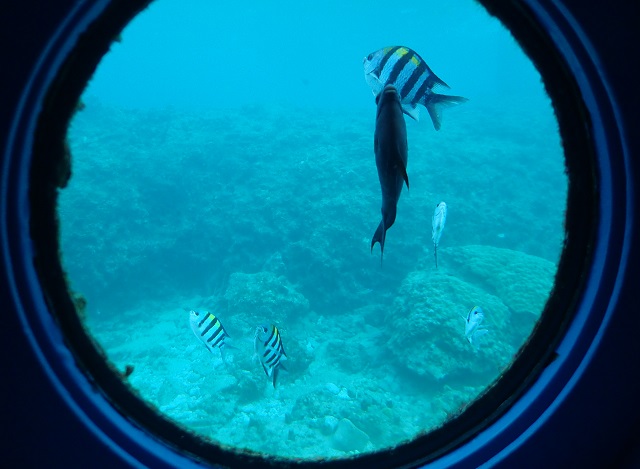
(390, 147)
(415, 81)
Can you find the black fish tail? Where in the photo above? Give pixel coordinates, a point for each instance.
(435, 102)
(379, 237)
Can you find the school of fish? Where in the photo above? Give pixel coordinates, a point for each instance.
(268, 347)
(400, 81)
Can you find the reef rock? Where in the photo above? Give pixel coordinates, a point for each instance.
(348, 437)
(427, 319)
(523, 282)
(264, 297)
(428, 328)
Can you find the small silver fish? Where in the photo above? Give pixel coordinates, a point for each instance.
(269, 350)
(437, 225)
(209, 330)
(472, 329)
(411, 76)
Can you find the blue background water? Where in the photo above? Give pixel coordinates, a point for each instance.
(224, 161)
(213, 54)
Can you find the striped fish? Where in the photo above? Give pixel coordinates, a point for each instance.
(437, 225)
(411, 76)
(269, 350)
(209, 330)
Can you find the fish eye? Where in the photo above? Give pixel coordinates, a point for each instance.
(118, 221)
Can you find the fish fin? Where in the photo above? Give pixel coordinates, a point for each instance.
(412, 111)
(379, 237)
(435, 102)
(265, 369)
(435, 254)
(276, 371)
(403, 171)
(436, 82)
(476, 337)
(375, 84)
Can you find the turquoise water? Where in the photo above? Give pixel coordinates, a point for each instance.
(224, 161)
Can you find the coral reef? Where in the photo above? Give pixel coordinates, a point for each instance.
(261, 218)
(522, 281)
(428, 328)
(264, 297)
(427, 319)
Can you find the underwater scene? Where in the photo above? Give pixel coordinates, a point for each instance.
(236, 173)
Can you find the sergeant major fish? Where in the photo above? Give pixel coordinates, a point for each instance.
(391, 150)
(472, 330)
(209, 330)
(437, 225)
(404, 68)
(269, 350)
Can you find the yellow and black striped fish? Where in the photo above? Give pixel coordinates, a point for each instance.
(269, 350)
(209, 330)
(411, 76)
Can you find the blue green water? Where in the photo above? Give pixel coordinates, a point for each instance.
(224, 161)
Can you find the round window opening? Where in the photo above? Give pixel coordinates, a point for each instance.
(224, 221)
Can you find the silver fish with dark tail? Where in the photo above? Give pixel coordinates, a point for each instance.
(437, 225)
(411, 76)
(269, 350)
(390, 147)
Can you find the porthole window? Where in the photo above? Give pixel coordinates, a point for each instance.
(261, 274)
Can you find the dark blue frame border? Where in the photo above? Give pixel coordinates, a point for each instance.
(581, 411)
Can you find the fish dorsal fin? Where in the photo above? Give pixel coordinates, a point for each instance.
(412, 111)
